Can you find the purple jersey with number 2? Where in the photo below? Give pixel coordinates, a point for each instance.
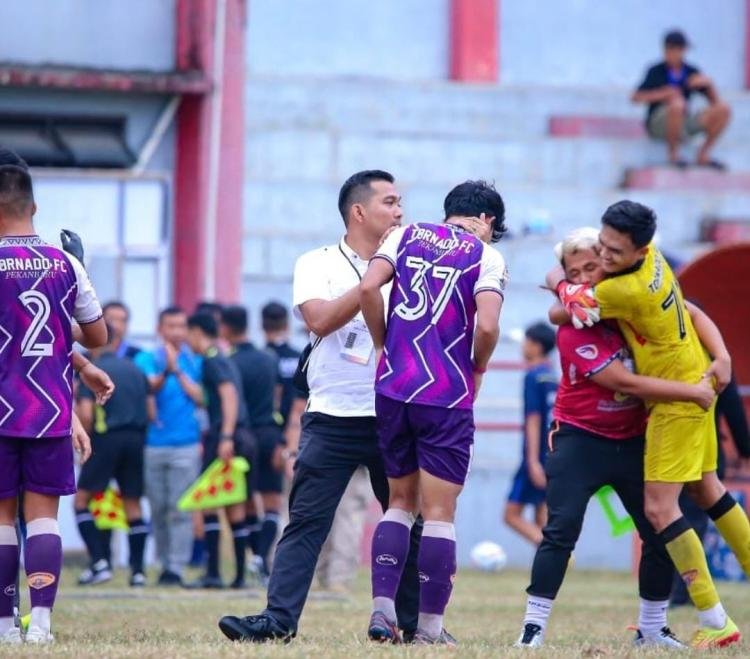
(439, 269)
(41, 290)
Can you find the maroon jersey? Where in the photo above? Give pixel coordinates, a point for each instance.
(583, 403)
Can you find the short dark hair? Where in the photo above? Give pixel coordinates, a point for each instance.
(675, 39)
(116, 304)
(635, 220)
(172, 310)
(9, 157)
(274, 316)
(16, 190)
(235, 318)
(471, 199)
(205, 322)
(211, 308)
(357, 189)
(543, 334)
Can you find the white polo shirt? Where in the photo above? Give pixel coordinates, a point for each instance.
(341, 373)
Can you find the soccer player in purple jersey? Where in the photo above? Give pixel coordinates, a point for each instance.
(42, 289)
(447, 293)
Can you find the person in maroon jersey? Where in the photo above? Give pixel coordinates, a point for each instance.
(597, 439)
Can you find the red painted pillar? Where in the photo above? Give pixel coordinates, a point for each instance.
(474, 40)
(209, 164)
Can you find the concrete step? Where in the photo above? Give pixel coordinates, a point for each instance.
(596, 126)
(586, 162)
(283, 220)
(725, 231)
(437, 107)
(692, 178)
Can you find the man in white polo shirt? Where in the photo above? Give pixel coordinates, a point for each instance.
(338, 428)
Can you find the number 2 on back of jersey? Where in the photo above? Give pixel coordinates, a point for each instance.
(674, 299)
(38, 304)
(418, 286)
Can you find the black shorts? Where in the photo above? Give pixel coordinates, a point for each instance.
(116, 454)
(263, 476)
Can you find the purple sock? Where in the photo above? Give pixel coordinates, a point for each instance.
(390, 546)
(9, 561)
(437, 567)
(43, 560)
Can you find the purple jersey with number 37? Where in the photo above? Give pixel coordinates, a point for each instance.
(439, 269)
(41, 290)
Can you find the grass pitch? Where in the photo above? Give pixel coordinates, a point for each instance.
(589, 620)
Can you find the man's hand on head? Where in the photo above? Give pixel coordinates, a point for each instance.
(480, 226)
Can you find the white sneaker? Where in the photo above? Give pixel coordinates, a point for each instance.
(532, 636)
(36, 634)
(663, 638)
(11, 636)
(99, 572)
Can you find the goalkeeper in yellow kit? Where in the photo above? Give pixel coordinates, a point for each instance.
(642, 294)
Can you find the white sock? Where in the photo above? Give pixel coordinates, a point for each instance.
(40, 617)
(715, 617)
(400, 516)
(6, 624)
(430, 623)
(652, 616)
(385, 605)
(538, 610)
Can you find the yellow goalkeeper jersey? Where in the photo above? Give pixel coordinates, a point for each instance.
(647, 302)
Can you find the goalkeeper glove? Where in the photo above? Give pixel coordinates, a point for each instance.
(579, 302)
(71, 243)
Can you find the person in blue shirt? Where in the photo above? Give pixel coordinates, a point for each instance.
(172, 453)
(539, 388)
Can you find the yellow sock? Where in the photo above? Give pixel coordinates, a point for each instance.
(687, 554)
(731, 521)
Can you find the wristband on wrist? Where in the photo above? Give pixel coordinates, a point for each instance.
(226, 437)
(481, 371)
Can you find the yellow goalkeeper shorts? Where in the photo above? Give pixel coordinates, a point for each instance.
(679, 447)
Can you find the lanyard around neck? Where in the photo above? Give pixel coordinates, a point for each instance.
(348, 260)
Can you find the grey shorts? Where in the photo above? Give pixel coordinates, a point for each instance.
(657, 124)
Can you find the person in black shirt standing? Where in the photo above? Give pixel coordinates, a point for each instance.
(118, 430)
(667, 89)
(227, 436)
(259, 375)
(117, 316)
(292, 401)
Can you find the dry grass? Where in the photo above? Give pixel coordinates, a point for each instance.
(485, 614)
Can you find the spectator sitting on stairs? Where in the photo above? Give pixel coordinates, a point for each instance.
(667, 89)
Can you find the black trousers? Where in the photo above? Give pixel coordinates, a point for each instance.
(331, 449)
(577, 466)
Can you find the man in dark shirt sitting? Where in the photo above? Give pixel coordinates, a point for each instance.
(667, 89)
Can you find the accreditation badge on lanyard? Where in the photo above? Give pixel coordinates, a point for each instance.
(354, 337)
(356, 342)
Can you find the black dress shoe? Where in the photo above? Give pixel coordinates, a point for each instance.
(254, 629)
